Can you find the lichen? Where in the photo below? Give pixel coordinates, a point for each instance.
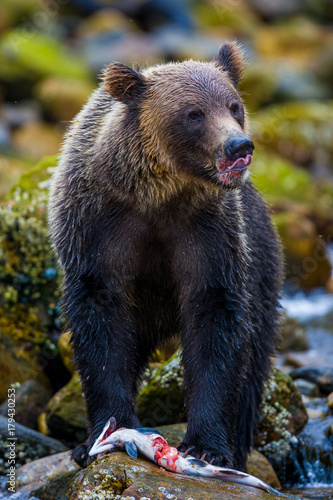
(29, 277)
(282, 416)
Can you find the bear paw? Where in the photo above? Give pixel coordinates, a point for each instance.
(210, 456)
(80, 455)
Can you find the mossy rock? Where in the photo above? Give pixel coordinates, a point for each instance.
(307, 262)
(66, 351)
(283, 416)
(50, 57)
(299, 40)
(57, 488)
(293, 336)
(63, 97)
(257, 464)
(49, 477)
(66, 412)
(120, 476)
(18, 365)
(161, 400)
(29, 278)
(236, 22)
(300, 131)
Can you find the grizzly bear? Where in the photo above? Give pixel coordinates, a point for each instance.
(159, 231)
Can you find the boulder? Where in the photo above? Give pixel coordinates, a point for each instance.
(30, 400)
(66, 412)
(161, 400)
(321, 376)
(293, 336)
(283, 416)
(39, 472)
(29, 445)
(120, 476)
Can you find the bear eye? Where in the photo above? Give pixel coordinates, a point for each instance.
(234, 108)
(195, 116)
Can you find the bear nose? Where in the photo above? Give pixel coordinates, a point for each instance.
(238, 147)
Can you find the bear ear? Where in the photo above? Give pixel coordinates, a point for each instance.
(230, 58)
(123, 83)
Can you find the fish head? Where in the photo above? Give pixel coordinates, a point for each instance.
(107, 439)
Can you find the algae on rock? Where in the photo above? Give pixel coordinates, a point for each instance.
(29, 277)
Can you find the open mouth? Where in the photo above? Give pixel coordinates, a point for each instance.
(236, 168)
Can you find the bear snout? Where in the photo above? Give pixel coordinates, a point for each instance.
(238, 147)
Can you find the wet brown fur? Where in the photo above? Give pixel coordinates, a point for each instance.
(152, 243)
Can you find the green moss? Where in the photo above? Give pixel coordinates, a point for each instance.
(66, 412)
(29, 277)
(161, 400)
(301, 131)
(283, 416)
(280, 181)
(38, 55)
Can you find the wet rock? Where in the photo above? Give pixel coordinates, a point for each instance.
(119, 476)
(330, 400)
(29, 445)
(307, 262)
(259, 466)
(105, 23)
(17, 365)
(303, 359)
(145, 49)
(321, 376)
(66, 412)
(315, 407)
(66, 351)
(173, 433)
(56, 488)
(37, 473)
(18, 113)
(30, 400)
(317, 442)
(37, 139)
(293, 336)
(283, 416)
(269, 9)
(161, 401)
(307, 388)
(63, 97)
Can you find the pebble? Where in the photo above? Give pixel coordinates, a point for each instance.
(307, 388)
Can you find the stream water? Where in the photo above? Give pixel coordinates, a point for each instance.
(310, 469)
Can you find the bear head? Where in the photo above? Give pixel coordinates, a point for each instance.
(191, 117)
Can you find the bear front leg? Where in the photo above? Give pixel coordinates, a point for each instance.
(215, 356)
(106, 352)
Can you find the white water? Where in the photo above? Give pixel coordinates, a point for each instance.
(306, 307)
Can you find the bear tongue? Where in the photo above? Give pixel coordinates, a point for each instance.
(227, 165)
